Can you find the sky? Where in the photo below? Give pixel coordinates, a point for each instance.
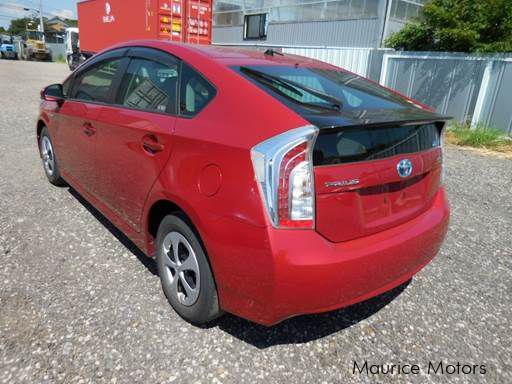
(63, 8)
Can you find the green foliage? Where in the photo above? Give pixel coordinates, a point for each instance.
(71, 22)
(60, 59)
(19, 26)
(458, 25)
(479, 137)
(2, 30)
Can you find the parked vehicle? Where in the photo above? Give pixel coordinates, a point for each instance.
(7, 48)
(73, 56)
(34, 47)
(103, 24)
(266, 186)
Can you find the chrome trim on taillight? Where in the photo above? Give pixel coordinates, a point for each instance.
(267, 157)
(441, 145)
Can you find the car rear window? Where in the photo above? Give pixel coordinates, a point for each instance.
(369, 143)
(307, 87)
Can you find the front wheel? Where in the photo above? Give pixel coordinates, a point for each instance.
(50, 164)
(185, 273)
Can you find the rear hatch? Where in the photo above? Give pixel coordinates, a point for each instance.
(377, 159)
(374, 176)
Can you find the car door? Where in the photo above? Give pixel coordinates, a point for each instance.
(135, 134)
(92, 87)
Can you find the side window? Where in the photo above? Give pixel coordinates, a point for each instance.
(94, 84)
(149, 85)
(195, 92)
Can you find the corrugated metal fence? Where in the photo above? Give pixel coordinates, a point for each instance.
(366, 62)
(58, 51)
(472, 88)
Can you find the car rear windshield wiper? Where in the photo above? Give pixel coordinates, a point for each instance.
(294, 87)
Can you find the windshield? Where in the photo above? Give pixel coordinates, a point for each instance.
(326, 88)
(34, 35)
(74, 38)
(5, 39)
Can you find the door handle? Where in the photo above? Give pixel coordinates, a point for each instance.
(150, 144)
(89, 130)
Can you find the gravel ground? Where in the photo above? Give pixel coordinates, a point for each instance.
(78, 303)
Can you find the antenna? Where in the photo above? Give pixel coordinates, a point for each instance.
(272, 52)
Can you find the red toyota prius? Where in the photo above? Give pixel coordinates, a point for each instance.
(265, 185)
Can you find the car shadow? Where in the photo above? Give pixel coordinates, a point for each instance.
(148, 262)
(302, 329)
(297, 330)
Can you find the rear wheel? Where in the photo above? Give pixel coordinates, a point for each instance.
(185, 273)
(50, 164)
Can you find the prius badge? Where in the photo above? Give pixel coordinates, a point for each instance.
(404, 168)
(342, 183)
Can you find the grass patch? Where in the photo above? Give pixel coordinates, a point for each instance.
(60, 59)
(480, 137)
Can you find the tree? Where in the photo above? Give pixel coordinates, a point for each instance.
(19, 26)
(460, 26)
(71, 22)
(2, 30)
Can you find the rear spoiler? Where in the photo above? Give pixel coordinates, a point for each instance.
(377, 118)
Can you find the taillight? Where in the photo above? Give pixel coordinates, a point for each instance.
(283, 166)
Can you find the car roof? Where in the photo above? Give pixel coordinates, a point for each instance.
(254, 55)
(230, 55)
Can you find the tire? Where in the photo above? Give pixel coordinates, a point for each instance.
(197, 304)
(50, 163)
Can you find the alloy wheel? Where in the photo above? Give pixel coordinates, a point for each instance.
(181, 269)
(48, 155)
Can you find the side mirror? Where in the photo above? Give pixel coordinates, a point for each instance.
(53, 92)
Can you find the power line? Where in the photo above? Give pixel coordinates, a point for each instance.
(24, 9)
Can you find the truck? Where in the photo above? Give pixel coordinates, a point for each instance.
(104, 23)
(73, 48)
(34, 47)
(7, 48)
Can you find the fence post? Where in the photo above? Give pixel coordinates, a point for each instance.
(384, 71)
(482, 95)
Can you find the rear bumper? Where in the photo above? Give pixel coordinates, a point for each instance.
(312, 274)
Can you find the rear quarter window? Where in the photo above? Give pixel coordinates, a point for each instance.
(195, 92)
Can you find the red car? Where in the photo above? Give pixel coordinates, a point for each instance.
(266, 185)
